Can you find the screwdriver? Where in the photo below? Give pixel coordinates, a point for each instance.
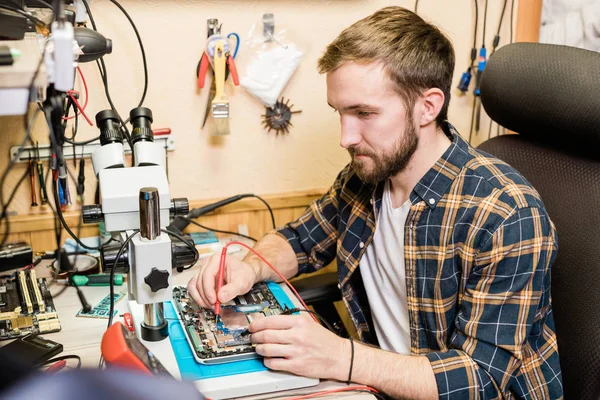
(94, 280)
(40, 168)
(32, 178)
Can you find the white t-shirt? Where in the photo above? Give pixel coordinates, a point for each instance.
(384, 277)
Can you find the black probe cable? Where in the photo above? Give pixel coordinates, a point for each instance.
(112, 277)
(476, 104)
(494, 47)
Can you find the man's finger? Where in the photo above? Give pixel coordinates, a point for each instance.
(277, 364)
(229, 291)
(274, 350)
(273, 322)
(193, 290)
(272, 336)
(208, 282)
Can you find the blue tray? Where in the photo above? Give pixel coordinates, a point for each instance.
(190, 369)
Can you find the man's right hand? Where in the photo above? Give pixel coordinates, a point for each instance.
(238, 278)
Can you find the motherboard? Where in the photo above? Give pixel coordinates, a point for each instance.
(26, 306)
(226, 337)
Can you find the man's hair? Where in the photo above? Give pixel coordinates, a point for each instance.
(415, 54)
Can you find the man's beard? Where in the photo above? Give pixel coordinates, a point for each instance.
(387, 165)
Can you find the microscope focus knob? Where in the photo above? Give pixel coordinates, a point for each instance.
(157, 279)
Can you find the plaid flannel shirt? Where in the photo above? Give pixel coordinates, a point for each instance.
(479, 245)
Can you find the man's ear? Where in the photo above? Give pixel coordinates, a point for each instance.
(432, 103)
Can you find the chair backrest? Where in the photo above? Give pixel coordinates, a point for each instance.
(549, 94)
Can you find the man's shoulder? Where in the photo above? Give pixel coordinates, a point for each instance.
(501, 180)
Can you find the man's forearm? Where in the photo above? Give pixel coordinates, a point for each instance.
(277, 251)
(399, 376)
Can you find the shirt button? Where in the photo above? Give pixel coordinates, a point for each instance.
(339, 286)
(432, 201)
(361, 245)
(371, 201)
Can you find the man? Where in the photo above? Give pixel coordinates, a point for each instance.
(443, 252)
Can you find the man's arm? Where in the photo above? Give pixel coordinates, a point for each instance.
(506, 294)
(507, 290)
(278, 252)
(399, 376)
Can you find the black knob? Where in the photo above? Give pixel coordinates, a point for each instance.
(157, 279)
(92, 213)
(179, 207)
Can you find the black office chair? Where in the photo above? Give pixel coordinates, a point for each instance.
(549, 94)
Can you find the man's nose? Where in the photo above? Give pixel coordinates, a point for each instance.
(350, 136)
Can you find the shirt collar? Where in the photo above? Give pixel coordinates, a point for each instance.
(436, 181)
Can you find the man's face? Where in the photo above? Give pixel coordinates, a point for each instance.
(377, 128)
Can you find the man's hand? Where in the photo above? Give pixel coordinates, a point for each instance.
(239, 277)
(297, 344)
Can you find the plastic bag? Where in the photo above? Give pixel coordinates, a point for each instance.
(274, 63)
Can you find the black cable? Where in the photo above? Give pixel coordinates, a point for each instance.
(137, 34)
(484, 23)
(61, 217)
(103, 74)
(323, 320)
(474, 48)
(494, 47)
(416, 5)
(501, 18)
(57, 201)
(472, 119)
(268, 207)
(82, 143)
(512, 14)
(30, 17)
(112, 278)
(191, 245)
(67, 357)
(217, 230)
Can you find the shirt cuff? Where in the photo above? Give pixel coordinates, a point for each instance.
(458, 376)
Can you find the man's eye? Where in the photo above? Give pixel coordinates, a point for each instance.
(364, 113)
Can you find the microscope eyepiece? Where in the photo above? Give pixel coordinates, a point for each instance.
(141, 119)
(108, 122)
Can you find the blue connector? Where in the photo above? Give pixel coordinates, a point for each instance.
(480, 68)
(465, 81)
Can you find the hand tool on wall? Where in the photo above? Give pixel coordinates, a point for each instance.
(40, 170)
(220, 104)
(32, 179)
(214, 34)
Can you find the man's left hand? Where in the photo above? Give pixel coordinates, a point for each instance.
(297, 344)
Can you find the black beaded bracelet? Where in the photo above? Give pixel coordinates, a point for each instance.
(351, 361)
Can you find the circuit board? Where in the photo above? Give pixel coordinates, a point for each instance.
(227, 338)
(26, 306)
(102, 309)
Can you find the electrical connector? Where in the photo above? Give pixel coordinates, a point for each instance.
(480, 68)
(64, 64)
(465, 81)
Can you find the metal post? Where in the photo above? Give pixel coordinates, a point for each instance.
(154, 327)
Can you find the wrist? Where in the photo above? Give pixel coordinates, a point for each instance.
(256, 265)
(345, 360)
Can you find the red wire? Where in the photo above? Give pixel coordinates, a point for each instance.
(79, 107)
(339, 390)
(222, 269)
